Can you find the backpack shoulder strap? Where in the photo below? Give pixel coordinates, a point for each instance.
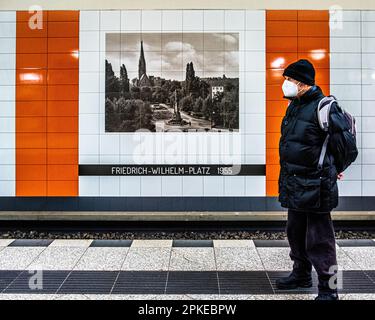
(323, 110)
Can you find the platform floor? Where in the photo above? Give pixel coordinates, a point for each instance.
(168, 269)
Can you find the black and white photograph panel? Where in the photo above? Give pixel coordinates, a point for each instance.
(170, 82)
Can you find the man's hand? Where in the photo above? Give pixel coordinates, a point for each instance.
(340, 176)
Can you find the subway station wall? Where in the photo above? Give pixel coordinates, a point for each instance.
(58, 106)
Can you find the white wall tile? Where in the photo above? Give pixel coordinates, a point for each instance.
(368, 156)
(109, 158)
(368, 15)
(346, 76)
(89, 20)
(346, 92)
(255, 82)
(368, 76)
(254, 124)
(109, 186)
(171, 186)
(89, 158)
(348, 45)
(368, 124)
(109, 144)
(8, 45)
(213, 20)
(7, 29)
(7, 61)
(130, 20)
(254, 103)
(368, 29)
(368, 172)
(213, 186)
(255, 20)
(368, 140)
(346, 15)
(172, 20)
(89, 124)
(89, 82)
(151, 20)
(349, 188)
(89, 41)
(354, 172)
(7, 156)
(255, 144)
(192, 186)
(234, 186)
(7, 188)
(7, 93)
(130, 186)
(255, 40)
(89, 144)
(368, 92)
(368, 188)
(8, 140)
(7, 172)
(88, 186)
(110, 20)
(345, 60)
(255, 61)
(89, 62)
(354, 107)
(368, 45)
(234, 20)
(368, 109)
(7, 125)
(7, 108)
(192, 20)
(368, 60)
(7, 77)
(7, 16)
(151, 186)
(89, 103)
(255, 186)
(347, 29)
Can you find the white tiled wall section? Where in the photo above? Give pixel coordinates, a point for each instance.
(96, 146)
(353, 82)
(7, 102)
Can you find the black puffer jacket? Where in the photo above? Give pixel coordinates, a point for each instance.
(301, 185)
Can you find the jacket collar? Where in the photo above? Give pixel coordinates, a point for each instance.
(312, 94)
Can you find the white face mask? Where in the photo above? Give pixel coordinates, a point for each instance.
(290, 89)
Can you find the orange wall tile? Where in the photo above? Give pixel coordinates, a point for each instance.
(290, 35)
(47, 105)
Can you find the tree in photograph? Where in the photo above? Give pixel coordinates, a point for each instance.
(112, 84)
(124, 80)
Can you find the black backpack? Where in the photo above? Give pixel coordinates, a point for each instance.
(345, 153)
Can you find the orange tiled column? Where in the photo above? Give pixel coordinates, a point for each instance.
(290, 35)
(47, 105)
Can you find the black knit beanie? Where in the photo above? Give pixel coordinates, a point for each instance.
(302, 70)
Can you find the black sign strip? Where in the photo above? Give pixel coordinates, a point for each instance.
(172, 170)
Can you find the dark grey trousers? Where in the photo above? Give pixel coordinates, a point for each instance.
(312, 242)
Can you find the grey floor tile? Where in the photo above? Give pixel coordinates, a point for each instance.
(275, 258)
(89, 282)
(237, 259)
(5, 242)
(31, 243)
(57, 258)
(48, 282)
(192, 282)
(192, 259)
(243, 282)
(142, 259)
(7, 277)
(152, 243)
(193, 243)
(111, 243)
(362, 256)
(102, 258)
(141, 282)
(18, 258)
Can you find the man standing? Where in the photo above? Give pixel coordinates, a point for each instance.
(309, 192)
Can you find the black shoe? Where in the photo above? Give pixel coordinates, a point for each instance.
(293, 282)
(327, 296)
